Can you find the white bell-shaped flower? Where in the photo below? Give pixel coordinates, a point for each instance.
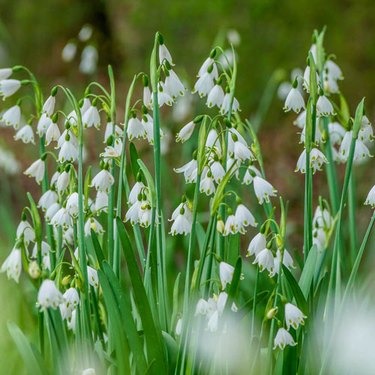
(190, 171)
(12, 117)
(26, 231)
(36, 170)
(215, 97)
(293, 316)
(294, 101)
(263, 189)
(244, 218)
(135, 129)
(5, 73)
(13, 265)
(265, 261)
(226, 274)
(370, 200)
(91, 117)
(8, 87)
(186, 132)
(43, 124)
(324, 107)
(173, 85)
(53, 133)
(49, 295)
(103, 181)
(71, 301)
(25, 134)
(207, 185)
(47, 199)
(282, 339)
(256, 245)
(51, 211)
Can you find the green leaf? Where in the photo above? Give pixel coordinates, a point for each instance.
(134, 159)
(123, 302)
(31, 357)
(155, 349)
(296, 290)
(308, 271)
(220, 190)
(358, 118)
(115, 326)
(97, 248)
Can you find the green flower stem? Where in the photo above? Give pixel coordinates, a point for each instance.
(352, 220)
(163, 291)
(331, 170)
(192, 241)
(254, 304)
(115, 261)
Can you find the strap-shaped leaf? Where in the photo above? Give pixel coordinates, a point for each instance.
(33, 361)
(154, 344)
(296, 290)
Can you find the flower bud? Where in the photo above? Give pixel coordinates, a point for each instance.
(271, 313)
(34, 270)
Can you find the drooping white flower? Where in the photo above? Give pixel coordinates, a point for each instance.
(204, 84)
(360, 151)
(5, 73)
(36, 170)
(93, 224)
(92, 275)
(51, 211)
(317, 159)
(207, 185)
(300, 121)
(173, 85)
(72, 205)
(244, 218)
(186, 132)
(135, 129)
(68, 152)
(336, 133)
(25, 134)
(282, 339)
(12, 116)
(49, 105)
(331, 68)
(13, 265)
(370, 200)
(49, 295)
(306, 79)
(112, 152)
(263, 189)
(213, 142)
(47, 199)
(208, 65)
(226, 274)
(293, 316)
(52, 133)
(294, 101)
(213, 322)
(103, 181)
(215, 97)
(101, 201)
(256, 245)
(250, 173)
(226, 104)
(324, 107)
(366, 133)
(164, 54)
(265, 261)
(287, 261)
(62, 219)
(230, 226)
(190, 171)
(202, 307)
(26, 230)
(147, 97)
(134, 212)
(182, 220)
(242, 152)
(145, 215)
(109, 131)
(43, 124)
(71, 322)
(8, 87)
(91, 117)
(62, 181)
(71, 301)
(163, 95)
(217, 170)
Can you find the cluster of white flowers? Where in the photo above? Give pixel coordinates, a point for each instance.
(293, 318)
(264, 256)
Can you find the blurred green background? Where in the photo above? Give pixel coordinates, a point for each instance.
(275, 34)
